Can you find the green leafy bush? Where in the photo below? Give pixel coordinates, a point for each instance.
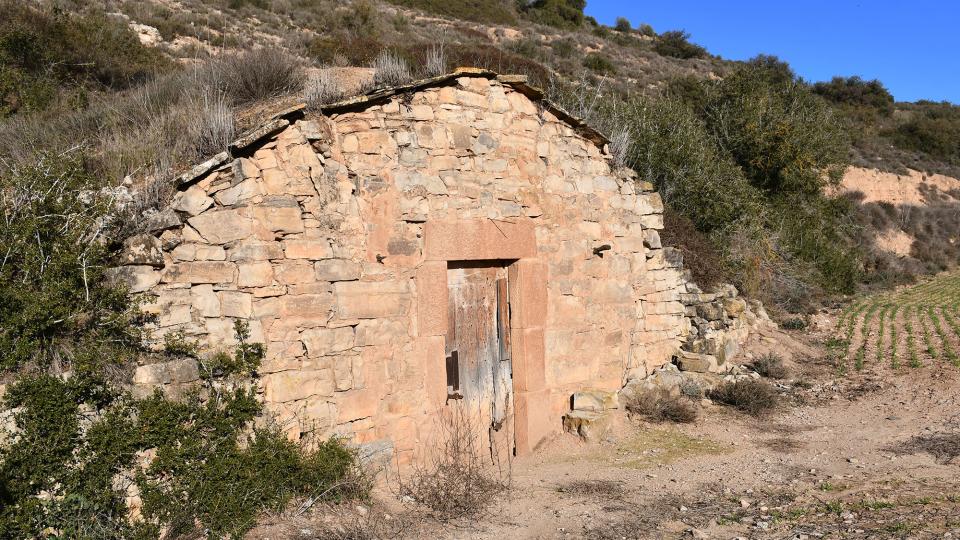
(487, 11)
(933, 129)
(856, 92)
(599, 63)
(676, 43)
(195, 462)
(52, 284)
(623, 25)
(557, 13)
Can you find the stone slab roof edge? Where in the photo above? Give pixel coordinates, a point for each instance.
(284, 118)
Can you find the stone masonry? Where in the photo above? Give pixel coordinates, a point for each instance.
(331, 235)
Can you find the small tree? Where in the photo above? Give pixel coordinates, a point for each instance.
(623, 25)
(675, 43)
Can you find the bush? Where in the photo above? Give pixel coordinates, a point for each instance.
(195, 462)
(599, 63)
(933, 129)
(623, 25)
(557, 13)
(700, 256)
(676, 44)
(389, 69)
(48, 54)
(857, 93)
(256, 75)
(770, 365)
(658, 409)
(750, 396)
(485, 11)
(52, 283)
(646, 30)
(455, 482)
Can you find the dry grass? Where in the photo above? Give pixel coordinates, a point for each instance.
(390, 69)
(436, 61)
(660, 409)
(748, 395)
(456, 481)
(770, 365)
(944, 447)
(322, 90)
(601, 489)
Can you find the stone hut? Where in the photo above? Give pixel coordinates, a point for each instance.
(459, 241)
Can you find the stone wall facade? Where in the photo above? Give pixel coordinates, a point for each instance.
(332, 237)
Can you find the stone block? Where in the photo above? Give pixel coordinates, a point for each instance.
(371, 299)
(357, 404)
(285, 386)
(432, 290)
(307, 249)
(205, 300)
(594, 400)
(528, 352)
(136, 279)
(294, 272)
(222, 226)
(651, 239)
(307, 306)
(200, 272)
(236, 304)
(325, 341)
(243, 191)
(337, 270)
(142, 249)
(255, 274)
(192, 201)
(343, 373)
(253, 250)
(177, 371)
(533, 422)
(528, 293)
(590, 426)
(697, 362)
(280, 219)
(470, 240)
(381, 332)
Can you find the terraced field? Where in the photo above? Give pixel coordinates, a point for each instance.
(908, 328)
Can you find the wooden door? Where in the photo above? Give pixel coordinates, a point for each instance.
(479, 364)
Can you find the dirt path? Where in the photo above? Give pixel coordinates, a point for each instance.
(845, 457)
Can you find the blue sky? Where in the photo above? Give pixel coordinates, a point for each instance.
(913, 47)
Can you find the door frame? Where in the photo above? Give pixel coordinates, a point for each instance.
(514, 243)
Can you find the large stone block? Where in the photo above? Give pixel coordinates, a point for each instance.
(255, 274)
(254, 250)
(142, 249)
(594, 400)
(590, 426)
(200, 272)
(222, 226)
(528, 293)
(528, 351)
(337, 270)
(236, 304)
(432, 292)
(481, 239)
(295, 385)
(135, 278)
(280, 219)
(192, 201)
(533, 422)
(308, 306)
(371, 299)
(307, 249)
(324, 341)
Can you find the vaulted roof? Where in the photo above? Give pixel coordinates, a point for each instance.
(280, 120)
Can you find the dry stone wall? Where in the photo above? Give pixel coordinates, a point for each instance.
(316, 237)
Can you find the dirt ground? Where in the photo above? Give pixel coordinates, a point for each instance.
(865, 454)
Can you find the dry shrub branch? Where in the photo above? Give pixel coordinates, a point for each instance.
(457, 479)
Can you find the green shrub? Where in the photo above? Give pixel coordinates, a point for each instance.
(933, 129)
(676, 43)
(209, 468)
(52, 284)
(48, 52)
(486, 11)
(646, 30)
(599, 63)
(623, 25)
(856, 92)
(557, 13)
